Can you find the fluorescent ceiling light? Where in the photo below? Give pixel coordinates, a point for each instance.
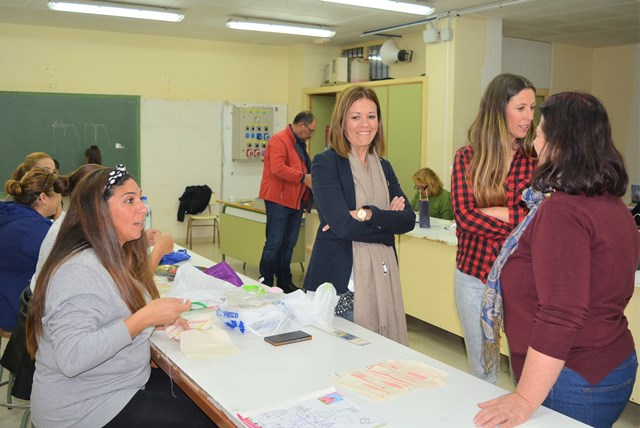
(279, 27)
(118, 9)
(394, 6)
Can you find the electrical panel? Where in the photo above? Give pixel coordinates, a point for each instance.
(252, 129)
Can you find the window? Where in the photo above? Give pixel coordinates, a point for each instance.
(377, 70)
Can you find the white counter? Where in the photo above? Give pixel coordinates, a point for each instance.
(264, 375)
(440, 231)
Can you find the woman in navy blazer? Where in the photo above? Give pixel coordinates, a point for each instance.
(356, 136)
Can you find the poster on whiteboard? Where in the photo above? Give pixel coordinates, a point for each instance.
(246, 129)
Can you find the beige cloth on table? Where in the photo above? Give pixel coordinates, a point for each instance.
(378, 297)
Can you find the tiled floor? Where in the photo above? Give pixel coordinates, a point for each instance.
(423, 337)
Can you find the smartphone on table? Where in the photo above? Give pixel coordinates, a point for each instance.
(285, 338)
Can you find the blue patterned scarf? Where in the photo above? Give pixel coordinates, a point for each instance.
(492, 316)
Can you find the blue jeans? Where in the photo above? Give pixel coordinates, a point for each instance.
(596, 405)
(468, 295)
(283, 227)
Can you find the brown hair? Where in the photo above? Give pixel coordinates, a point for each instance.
(491, 141)
(88, 224)
(93, 155)
(429, 178)
(338, 134)
(28, 164)
(79, 173)
(581, 156)
(36, 181)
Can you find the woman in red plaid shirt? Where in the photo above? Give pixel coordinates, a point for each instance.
(487, 181)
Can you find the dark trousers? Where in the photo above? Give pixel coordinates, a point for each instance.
(160, 404)
(283, 227)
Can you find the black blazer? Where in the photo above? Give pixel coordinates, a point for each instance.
(335, 195)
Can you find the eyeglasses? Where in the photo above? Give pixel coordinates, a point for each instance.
(310, 130)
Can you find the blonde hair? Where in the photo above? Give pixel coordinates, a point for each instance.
(430, 179)
(28, 164)
(490, 140)
(338, 133)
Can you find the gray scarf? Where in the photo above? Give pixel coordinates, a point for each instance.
(378, 297)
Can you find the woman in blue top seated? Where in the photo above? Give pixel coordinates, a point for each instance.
(23, 226)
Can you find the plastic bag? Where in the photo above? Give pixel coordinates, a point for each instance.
(203, 290)
(224, 272)
(425, 220)
(324, 304)
(175, 257)
(253, 296)
(265, 320)
(313, 308)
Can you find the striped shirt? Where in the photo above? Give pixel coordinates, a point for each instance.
(480, 236)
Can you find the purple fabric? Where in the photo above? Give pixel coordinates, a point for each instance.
(224, 272)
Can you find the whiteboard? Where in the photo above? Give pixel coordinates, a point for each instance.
(241, 178)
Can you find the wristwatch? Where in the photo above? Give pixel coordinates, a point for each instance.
(361, 214)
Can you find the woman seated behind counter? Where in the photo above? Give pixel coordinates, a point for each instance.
(429, 186)
(93, 310)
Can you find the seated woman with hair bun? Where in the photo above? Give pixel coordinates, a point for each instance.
(23, 226)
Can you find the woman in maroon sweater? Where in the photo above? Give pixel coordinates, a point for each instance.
(568, 282)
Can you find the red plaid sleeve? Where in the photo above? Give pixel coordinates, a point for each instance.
(480, 236)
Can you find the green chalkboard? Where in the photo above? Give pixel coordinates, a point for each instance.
(65, 125)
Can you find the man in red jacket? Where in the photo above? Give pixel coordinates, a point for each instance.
(286, 190)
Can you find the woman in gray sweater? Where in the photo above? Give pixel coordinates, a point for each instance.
(94, 308)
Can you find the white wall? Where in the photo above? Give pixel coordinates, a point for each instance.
(529, 59)
(181, 145)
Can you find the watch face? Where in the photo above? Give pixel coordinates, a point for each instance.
(362, 214)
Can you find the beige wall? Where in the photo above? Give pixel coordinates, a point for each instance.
(306, 70)
(571, 68)
(616, 81)
(456, 72)
(184, 145)
(410, 42)
(62, 60)
(613, 75)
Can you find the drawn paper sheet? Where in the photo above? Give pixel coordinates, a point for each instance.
(390, 379)
(323, 409)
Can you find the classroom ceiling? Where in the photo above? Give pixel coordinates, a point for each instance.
(588, 23)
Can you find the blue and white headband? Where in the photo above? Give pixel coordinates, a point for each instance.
(116, 176)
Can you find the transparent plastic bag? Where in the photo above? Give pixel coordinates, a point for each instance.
(313, 308)
(252, 296)
(265, 320)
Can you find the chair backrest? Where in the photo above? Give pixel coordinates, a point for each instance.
(212, 202)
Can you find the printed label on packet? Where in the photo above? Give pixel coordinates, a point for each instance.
(350, 337)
